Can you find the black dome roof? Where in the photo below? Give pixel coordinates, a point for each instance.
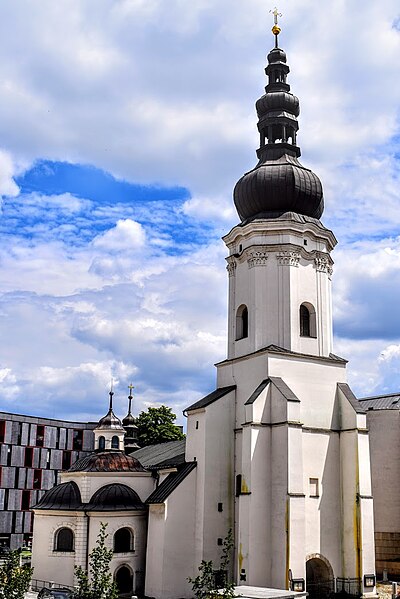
(279, 183)
(115, 497)
(276, 187)
(107, 461)
(62, 497)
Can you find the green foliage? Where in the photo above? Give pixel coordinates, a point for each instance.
(98, 582)
(157, 426)
(14, 578)
(209, 579)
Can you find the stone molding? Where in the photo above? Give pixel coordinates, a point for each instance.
(288, 258)
(322, 263)
(257, 258)
(231, 266)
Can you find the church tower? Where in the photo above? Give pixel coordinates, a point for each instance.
(283, 434)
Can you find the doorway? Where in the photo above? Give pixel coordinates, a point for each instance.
(124, 581)
(319, 578)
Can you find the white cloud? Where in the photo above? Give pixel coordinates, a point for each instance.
(125, 236)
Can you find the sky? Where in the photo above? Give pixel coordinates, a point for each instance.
(124, 126)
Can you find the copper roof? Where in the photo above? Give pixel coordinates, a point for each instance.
(107, 461)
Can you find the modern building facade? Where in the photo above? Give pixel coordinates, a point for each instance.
(383, 420)
(32, 453)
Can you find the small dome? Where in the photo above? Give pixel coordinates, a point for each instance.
(276, 55)
(110, 420)
(62, 497)
(107, 461)
(282, 101)
(115, 497)
(129, 421)
(278, 186)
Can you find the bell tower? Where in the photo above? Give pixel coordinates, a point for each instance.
(279, 261)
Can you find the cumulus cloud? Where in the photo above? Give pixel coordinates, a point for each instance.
(163, 93)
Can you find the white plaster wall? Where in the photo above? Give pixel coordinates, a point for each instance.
(170, 547)
(384, 436)
(321, 453)
(52, 565)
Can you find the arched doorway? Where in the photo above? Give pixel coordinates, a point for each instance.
(124, 581)
(319, 577)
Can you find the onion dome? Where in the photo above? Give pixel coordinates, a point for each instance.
(129, 424)
(107, 461)
(278, 183)
(115, 497)
(110, 420)
(62, 497)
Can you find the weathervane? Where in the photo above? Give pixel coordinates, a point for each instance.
(276, 29)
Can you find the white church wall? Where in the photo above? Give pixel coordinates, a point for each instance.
(322, 487)
(50, 565)
(314, 382)
(170, 547)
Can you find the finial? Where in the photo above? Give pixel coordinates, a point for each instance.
(111, 393)
(276, 29)
(130, 397)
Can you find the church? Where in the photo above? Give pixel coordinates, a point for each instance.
(278, 453)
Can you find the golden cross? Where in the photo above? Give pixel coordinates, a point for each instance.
(130, 387)
(276, 15)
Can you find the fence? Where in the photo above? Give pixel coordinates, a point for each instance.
(38, 585)
(350, 587)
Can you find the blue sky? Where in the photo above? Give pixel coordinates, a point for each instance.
(124, 125)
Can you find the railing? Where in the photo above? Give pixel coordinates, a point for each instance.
(350, 587)
(321, 589)
(38, 585)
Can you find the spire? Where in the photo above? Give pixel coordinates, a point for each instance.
(279, 183)
(129, 423)
(276, 29)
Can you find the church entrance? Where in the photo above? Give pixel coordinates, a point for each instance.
(124, 581)
(319, 578)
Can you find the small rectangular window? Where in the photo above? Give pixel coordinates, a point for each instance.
(77, 442)
(2, 430)
(26, 500)
(220, 541)
(37, 479)
(28, 457)
(40, 435)
(220, 507)
(197, 424)
(238, 485)
(66, 460)
(314, 487)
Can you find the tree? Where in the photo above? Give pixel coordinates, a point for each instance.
(213, 583)
(157, 426)
(14, 578)
(98, 582)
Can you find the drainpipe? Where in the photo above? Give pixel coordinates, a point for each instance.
(87, 541)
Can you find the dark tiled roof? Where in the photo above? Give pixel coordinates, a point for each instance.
(115, 497)
(162, 455)
(381, 402)
(209, 399)
(62, 497)
(257, 392)
(168, 485)
(279, 384)
(283, 388)
(348, 393)
(107, 461)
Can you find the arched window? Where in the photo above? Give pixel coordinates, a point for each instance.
(242, 322)
(115, 442)
(124, 580)
(102, 443)
(308, 324)
(123, 540)
(64, 540)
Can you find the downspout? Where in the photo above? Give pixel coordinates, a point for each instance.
(87, 541)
